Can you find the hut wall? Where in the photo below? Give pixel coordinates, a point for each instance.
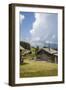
(21, 57)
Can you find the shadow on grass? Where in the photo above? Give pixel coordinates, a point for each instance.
(24, 63)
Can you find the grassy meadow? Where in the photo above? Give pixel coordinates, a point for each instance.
(34, 68)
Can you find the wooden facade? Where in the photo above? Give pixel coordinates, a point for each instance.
(45, 54)
(21, 56)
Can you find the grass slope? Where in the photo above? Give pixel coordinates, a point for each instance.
(32, 68)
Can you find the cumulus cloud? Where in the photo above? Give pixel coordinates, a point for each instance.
(22, 17)
(53, 37)
(43, 28)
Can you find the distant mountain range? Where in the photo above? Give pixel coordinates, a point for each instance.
(51, 45)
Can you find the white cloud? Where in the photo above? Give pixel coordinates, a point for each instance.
(53, 37)
(39, 24)
(22, 17)
(42, 28)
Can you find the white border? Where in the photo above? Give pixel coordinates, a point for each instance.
(17, 63)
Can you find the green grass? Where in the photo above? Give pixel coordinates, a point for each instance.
(33, 68)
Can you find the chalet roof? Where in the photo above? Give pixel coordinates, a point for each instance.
(50, 51)
(56, 54)
(24, 51)
(21, 48)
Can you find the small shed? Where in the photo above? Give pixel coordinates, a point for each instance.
(46, 54)
(21, 54)
(56, 58)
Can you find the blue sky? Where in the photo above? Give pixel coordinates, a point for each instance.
(26, 25)
(38, 28)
